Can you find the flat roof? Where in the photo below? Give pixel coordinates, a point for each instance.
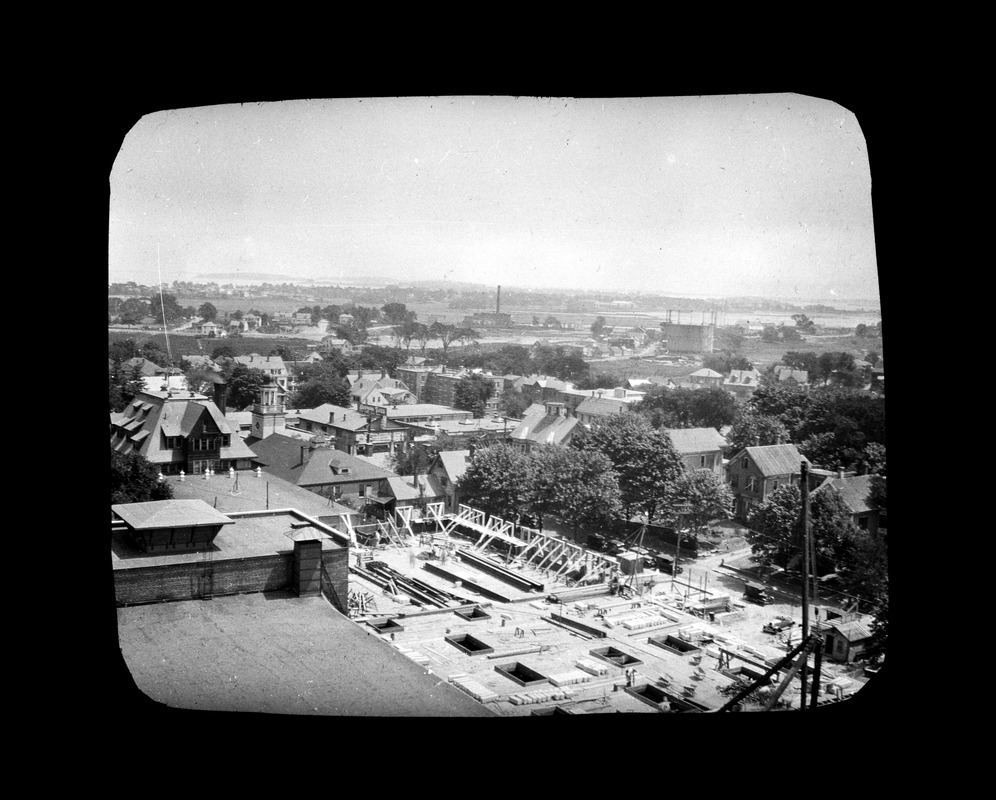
(257, 533)
(277, 653)
(246, 492)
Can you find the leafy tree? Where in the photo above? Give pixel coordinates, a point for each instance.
(414, 460)
(578, 486)
(512, 359)
(861, 330)
(207, 312)
(804, 323)
(551, 322)
(775, 525)
(598, 327)
(710, 407)
(173, 311)
(123, 384)
(803, 359)
(499, 479)
(839, 368)
(122, 349)
(788, 334)
(133, 310)
(786, 401)
(223, 351)
(726, 361)
(873, 460)
(154, 353)
(354, 333)
(602, 380)
(513, 404)
(325, 388)
(373, 356)
(562, 364)
(536, 321)
(755, 430)
(201, 379)
(244, 384)
(466, 335)
(408, 331)
(644, 459)
(286, 352)
(704, 496)
(770, 334)
(472, 393)
(396, 313)
(134, 479)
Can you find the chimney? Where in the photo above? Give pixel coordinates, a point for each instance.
(305, 453)
(332, 416)
(840, 473)
(498, 302)
(220, 395)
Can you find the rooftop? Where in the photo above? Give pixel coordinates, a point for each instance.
(246, 492)
(281, 455)
(252, 533)
(277, 653)
(169, 514)
(696, 440)
(775, 459)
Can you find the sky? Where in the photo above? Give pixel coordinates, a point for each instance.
(754, 194)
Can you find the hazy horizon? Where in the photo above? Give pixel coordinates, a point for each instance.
(746, 195)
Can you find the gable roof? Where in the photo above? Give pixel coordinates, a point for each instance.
(138, 427)
(542, 428)
(696, 440)
(280, 455)
(783, 373)
(601, 406)
(454, 462)
(775, 459)
(145, 367)
(854, 631)
(405, 488)
(705, 373)
(855, 490)
(743, 377)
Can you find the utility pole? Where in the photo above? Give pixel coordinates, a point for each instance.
(804, 488)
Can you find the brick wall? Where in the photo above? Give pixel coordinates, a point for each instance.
(191, 580)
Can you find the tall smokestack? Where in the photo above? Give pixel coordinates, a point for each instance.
(498, 302)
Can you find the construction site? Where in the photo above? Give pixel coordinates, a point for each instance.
(528, 622)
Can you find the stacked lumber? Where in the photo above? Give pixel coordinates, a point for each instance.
(414, 655)
(480, 693)
(595, 668)
(540, 696)
(571, 676)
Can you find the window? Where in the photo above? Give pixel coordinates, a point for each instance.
(743, 464)
(752, 484)
(702, 460)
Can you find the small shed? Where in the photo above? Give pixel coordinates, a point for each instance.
(845, 641)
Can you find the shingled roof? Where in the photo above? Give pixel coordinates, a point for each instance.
(542, 428)
(696, 440)
(776, 459)
(855, 490)
(281, 455)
